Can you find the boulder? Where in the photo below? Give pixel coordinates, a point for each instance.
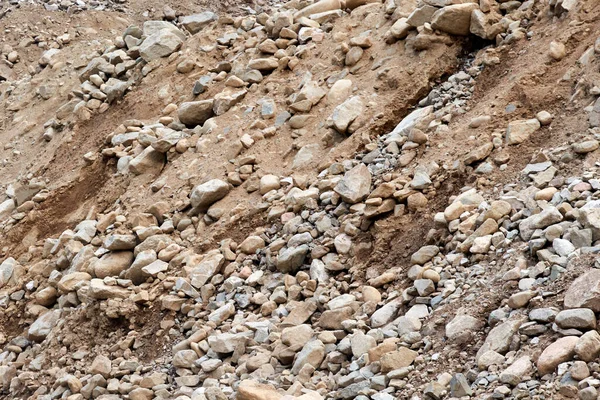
(558, 352)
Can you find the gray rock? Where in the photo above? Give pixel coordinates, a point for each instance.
(206, 194)
(43, 325)
(355, 186)
(195, 112)
(196, 22)
(578, 318)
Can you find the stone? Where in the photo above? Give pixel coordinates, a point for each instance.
(557, 50)
(586, 147)
(353, 56)
(194, 113)
(184, 359)
(290, 259)
(208, 193)
(587, 347)
(101, 365)
(517, 371)
(361, 343)
(317, 8)
(268, 183)
(149, 161)
(584, 292)
(112, 264)
(312, 353)
(196, 22)
(400, 358)
(251, 244)
(500, 337)
(160, 44)
(344, 114)
(424, 254)
(6, 270)
(459, 386)
(421, 15)
(43, 325)
(100, 291)
(251, 390)
(264, 64)
(578, 318)
(355, 186)
(461, 324)
(558, 352)
(519, 131)
(454, 19)
(340, 91)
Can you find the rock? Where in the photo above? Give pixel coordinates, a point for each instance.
(588, 346)
(149, 161)
(353, 56)
(297, 336)
(312, 353)
(317, 8)
(355, 186)
(385, 314)
(424, 254)
(514, 374)
(120, 242)
(459, 386)
(101, 365)
(421, 15)
(544, 117)
(251, 244)
(500, 337)
(100, 291)
(43, 326)
(6, 270)
(479, 153)
(195, 112)
(344, 114)
(586, 147)
(292, 258)
(454, 19)
(584, 292)
(252, 390)
(557, 51)
(226, 99)
(208, 193)
(400, 358)
(340, 91)
(558, 352)
(112, 264)
(461, 324)
(361, 343)
(160, 44)
(268, 183)
(264, 64)
(519, 131)
(184, 359)
(578, 318)
(196, 22)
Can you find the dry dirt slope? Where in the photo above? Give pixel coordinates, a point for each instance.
(328, 200)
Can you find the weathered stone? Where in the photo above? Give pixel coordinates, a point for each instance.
(195, 112)
(356, 184)
(454, 19)
(558, 352)
(519, 131)
(584, 292)
(205, 194)
(196, 22)
(400, 358)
